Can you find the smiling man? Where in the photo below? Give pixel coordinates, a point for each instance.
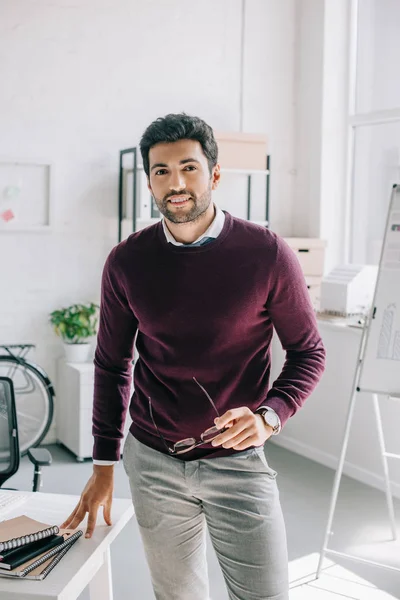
(201, 292)
(187, 204)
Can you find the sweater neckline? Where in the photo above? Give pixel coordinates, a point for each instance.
(196, 249)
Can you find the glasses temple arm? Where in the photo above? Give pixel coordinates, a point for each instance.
(155, 425)
(208, 395)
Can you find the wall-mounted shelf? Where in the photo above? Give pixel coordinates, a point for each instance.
(134, 199)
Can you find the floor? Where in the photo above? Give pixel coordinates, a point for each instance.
(360, 527)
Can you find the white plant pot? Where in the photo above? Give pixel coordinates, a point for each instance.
(77, 353)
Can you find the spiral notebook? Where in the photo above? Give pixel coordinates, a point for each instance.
(39, 568)
(19, 556)
(22, 528)
(17, 532)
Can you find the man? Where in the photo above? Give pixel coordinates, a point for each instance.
(202, 291)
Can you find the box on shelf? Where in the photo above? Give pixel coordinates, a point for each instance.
(311, 255)
(238, 150)
(314, 287)
(349, 289)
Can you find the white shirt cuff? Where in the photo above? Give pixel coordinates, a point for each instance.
(104, 463)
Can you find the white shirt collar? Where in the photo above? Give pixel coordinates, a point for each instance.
(213, 231)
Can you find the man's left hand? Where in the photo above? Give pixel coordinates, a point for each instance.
(245, 429)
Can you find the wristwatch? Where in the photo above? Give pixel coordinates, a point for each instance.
(271, 418)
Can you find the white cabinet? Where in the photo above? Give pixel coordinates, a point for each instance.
(74, 404)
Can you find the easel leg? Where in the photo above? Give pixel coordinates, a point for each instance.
(336, 483)
(381, 439)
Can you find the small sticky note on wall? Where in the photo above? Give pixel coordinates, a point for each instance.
(7, 215)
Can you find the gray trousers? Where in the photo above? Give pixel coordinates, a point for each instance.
(236, 497)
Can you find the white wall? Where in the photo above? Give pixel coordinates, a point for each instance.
(379, 47)
(81, 81)
(334, 129)
(269, 97)
(321, 123)
(308, 116)
(377, 146)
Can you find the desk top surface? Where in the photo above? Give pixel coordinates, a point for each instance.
(352, 324)
(78, 566)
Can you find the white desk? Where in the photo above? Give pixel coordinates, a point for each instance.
(87, 563)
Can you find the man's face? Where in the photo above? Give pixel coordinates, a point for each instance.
(180, 180)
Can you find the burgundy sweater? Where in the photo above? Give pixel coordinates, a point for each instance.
(208, 312)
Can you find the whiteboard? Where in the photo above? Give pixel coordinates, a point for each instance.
(380, 365)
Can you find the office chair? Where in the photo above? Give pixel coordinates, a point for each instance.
(9, 445)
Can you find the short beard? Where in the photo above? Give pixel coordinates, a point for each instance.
(200, 205)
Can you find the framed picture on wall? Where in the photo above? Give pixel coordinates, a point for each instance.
(25, 195)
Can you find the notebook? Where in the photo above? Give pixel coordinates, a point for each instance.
(22, 528)
(18, 556)
(39, 569)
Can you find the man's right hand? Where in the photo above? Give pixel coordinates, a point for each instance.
(98, 492)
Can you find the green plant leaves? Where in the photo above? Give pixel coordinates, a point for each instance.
(75, 323)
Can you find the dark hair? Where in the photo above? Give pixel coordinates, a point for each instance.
(174, 127)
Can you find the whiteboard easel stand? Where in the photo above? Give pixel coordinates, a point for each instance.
(356, 388)
(339, 472)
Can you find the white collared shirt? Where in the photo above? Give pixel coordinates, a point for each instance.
(212, 232)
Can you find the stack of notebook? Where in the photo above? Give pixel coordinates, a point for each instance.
(30, 549)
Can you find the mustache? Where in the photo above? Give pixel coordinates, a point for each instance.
(180, 193)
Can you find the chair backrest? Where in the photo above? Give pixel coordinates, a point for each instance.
(9, 445)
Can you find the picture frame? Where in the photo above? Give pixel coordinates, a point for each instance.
(26, 195)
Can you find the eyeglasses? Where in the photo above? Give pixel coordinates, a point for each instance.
(188, 444)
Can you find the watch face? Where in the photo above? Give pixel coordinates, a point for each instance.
(271, 419)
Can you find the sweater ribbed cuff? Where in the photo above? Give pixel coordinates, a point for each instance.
(106, 449)
(280, 407)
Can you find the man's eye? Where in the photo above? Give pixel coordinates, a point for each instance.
(161, 172)
(190, 168)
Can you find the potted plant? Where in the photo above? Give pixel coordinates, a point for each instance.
(75, 324)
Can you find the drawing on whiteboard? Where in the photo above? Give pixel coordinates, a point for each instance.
(385, 348)
(396, 346)
(391, 258)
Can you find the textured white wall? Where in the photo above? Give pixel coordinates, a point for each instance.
(334, 129)
(321, 91)
(81, 81)
(269, 98)
(308, 116)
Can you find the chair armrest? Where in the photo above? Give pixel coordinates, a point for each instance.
(40, 457)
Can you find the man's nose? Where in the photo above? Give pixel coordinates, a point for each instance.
(177, 181)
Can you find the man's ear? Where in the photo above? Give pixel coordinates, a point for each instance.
(216, 176)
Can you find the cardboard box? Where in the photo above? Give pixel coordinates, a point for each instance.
(314, 287)
(310, 253)
(241, 150)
